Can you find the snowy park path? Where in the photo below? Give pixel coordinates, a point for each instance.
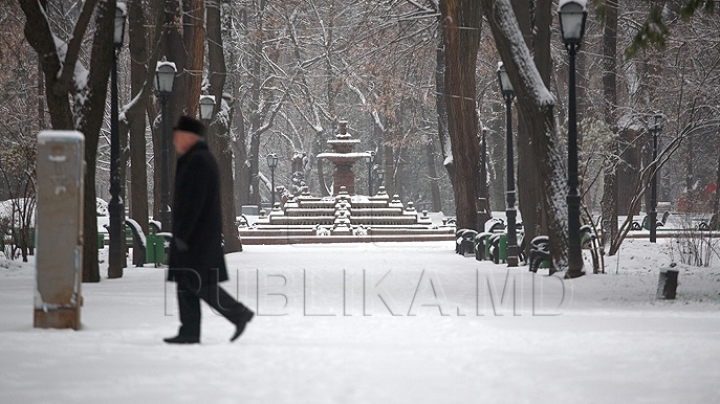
(363, 324)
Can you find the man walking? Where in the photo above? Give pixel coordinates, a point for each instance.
(197, 262)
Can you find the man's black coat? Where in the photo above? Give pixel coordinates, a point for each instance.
(197, 218)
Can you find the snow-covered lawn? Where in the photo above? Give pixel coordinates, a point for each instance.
(362, 323)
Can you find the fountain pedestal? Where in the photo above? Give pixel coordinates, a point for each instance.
(343, 158)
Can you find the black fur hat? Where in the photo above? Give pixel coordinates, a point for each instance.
(192, 125)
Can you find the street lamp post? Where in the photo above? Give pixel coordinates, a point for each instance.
(656, 125)
(508, 94)
(272, 162)
(164, 80)
(116, 259)
(572, 16)
(207, 107)
(370, 161)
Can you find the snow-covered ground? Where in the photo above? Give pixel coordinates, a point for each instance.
(362, 323)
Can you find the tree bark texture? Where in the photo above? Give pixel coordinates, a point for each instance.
(461, 50)
(193, 34)
(535, 24)
(242, 167)
(441, 102)
(630, 165)
(610, 185)
(139, 68)
(432, 173)
(220, 133)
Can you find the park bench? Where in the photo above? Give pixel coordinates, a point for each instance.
(704, 224)
(540, 250)
(140, 242)
(646, 222)
(495, 225)
(465, 241)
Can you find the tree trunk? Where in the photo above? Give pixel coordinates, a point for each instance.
(40, 97)
(537, 105)
(138, 42)
(389, 159)
(441, 102)
(536, 31)
(610, 187)
(92, 112)
(193, 35)
(220, 136)
(59, 85)
(432, 173)
(242, 168)
(630, 165)
(461, 50)
(256, 114)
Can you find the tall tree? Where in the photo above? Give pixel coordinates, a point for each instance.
(144, 50)
(537, 104)
(610, 188)
(535, 23)
(76, 96)
(219, 132)
(462, 21)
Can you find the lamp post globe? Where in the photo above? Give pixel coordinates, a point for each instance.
(272, 162)
(116, 254)
(164, 81)
(370, 161)
(656, 125)
(508, 94)
(572, 15)
(207, 107)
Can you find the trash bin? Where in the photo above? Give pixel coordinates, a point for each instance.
(502, 247)
(155, 252)
(667, 283)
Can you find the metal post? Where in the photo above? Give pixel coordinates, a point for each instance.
(370, 179)
(165, 217)
(272, 185)
(115, 207)
(652, 215)
(575, 261)
(510, 211)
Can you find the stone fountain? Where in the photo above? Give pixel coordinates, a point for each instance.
(343, 217)
(343, 158)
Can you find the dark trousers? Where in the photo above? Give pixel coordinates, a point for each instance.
(189, 305)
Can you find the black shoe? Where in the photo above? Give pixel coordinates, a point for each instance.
(240, 326)
(183, 339)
